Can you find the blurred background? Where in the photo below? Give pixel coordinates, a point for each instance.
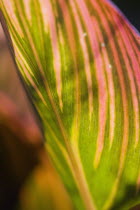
(18, 155)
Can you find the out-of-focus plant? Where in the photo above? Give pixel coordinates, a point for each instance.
(22, 158)
(80, 62)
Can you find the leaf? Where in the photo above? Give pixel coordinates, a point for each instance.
(80, 62)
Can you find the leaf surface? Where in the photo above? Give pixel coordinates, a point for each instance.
(80, 62)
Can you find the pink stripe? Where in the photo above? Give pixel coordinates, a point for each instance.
(130, 51)
(27, 9)
(110, 82)
(100, 78)
(135, 48)
(129, 27)
(54, 42)
(114, 8)
(119, 70)
(69, 28)
(86, 58)
(124, 99)
(133, 45)
(11, 13)
(125, 43)
(71, 39)
(128, 46)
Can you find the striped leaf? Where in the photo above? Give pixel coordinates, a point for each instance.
(79, 59)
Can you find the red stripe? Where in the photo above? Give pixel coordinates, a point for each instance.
(100, 78)
(110, 82)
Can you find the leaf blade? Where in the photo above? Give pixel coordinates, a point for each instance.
(95, 108)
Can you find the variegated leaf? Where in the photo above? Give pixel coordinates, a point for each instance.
(79, 59)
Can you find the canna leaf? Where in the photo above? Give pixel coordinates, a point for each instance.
(80, 62)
